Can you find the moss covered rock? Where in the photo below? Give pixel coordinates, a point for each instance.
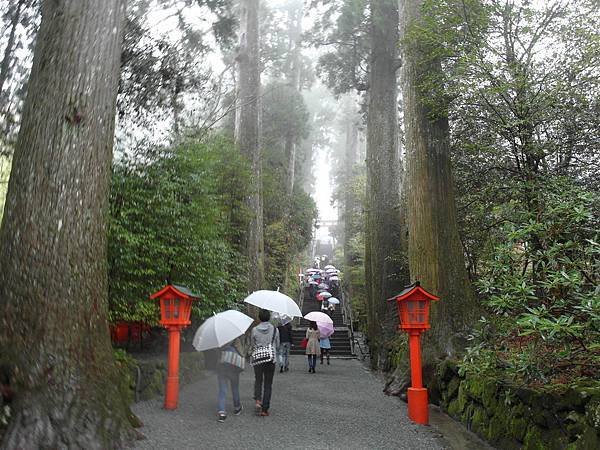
(467, 415)
(454, 409)
(587, 440)
(462, 396)
(447, 370)
(480, 421)
(474, 388)
(489, 395)
(499, 427)
(574, 423)
(452, 388)
(518, 427)
(592, 413)
(533, 439)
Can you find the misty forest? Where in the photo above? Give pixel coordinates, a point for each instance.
(234, 146)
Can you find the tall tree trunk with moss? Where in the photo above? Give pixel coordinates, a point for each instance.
(292, 69)
(350, 201)
(247, 134)
(383, 233)
(53, 280)
(434, 249)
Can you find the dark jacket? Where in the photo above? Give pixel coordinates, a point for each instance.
(285, 333)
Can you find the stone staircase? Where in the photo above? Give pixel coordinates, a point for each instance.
(340, 340)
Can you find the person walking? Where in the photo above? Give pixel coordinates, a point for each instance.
(263, 335)
(229, 366)
(285, 344)
(325, 345)
(312, 346)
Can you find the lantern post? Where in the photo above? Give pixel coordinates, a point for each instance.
(175, 310)
(413, 305)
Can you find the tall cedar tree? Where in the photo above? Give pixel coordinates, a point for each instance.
(434, 249)
(292, 69)
(247, 133)
(53, 279)
(383, 232)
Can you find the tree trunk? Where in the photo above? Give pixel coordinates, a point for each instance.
(434, 249)
(5, 65)
(53, 279)
(383, 170)
(350, 202)
(247, 133)
(293, 75)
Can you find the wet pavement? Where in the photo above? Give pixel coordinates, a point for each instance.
(341, 406)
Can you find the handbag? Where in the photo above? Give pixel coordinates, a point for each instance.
(231, 357)
(263, 353)
(304, 343)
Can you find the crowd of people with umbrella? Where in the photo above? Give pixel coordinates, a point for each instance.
(264, 347)
(323, 286)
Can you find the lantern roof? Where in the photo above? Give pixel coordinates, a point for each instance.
(411, 290)
(178, 290)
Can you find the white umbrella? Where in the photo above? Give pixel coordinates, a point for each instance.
(331, 271)
(329, 266)
(319, 317)
(324, 294)
(280, 319)
(274, 301)
(220, 329)
(333, 301)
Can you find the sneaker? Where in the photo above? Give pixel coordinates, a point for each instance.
(221, 417)
(258, 407)
(264, 413)
(238, 411)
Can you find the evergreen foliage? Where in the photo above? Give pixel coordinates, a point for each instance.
(178, 218)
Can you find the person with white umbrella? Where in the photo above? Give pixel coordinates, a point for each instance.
(264, 336)
(222, 331)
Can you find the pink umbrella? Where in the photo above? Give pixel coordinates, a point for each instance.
(316, 316)
(326, 329)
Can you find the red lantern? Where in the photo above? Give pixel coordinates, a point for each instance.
(175, 305)
(175, 309)
(413, 307)
(413, 313)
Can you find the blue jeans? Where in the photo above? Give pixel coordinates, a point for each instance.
(226, 376)
(284, 354)
(312, 361)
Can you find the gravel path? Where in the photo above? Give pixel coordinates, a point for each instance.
(341, 406)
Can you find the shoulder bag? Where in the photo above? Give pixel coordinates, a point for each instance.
(263, 353)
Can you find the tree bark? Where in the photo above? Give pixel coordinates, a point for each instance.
(434, 250)
(293, 75)
(53, 279)
(383, 170)
(247, 133)
(350, 201)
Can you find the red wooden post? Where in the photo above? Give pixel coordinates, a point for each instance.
(172, 385)
(413, 314)
(175, 308)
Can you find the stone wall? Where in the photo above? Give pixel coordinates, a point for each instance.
(515, 417)
(148, 376)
